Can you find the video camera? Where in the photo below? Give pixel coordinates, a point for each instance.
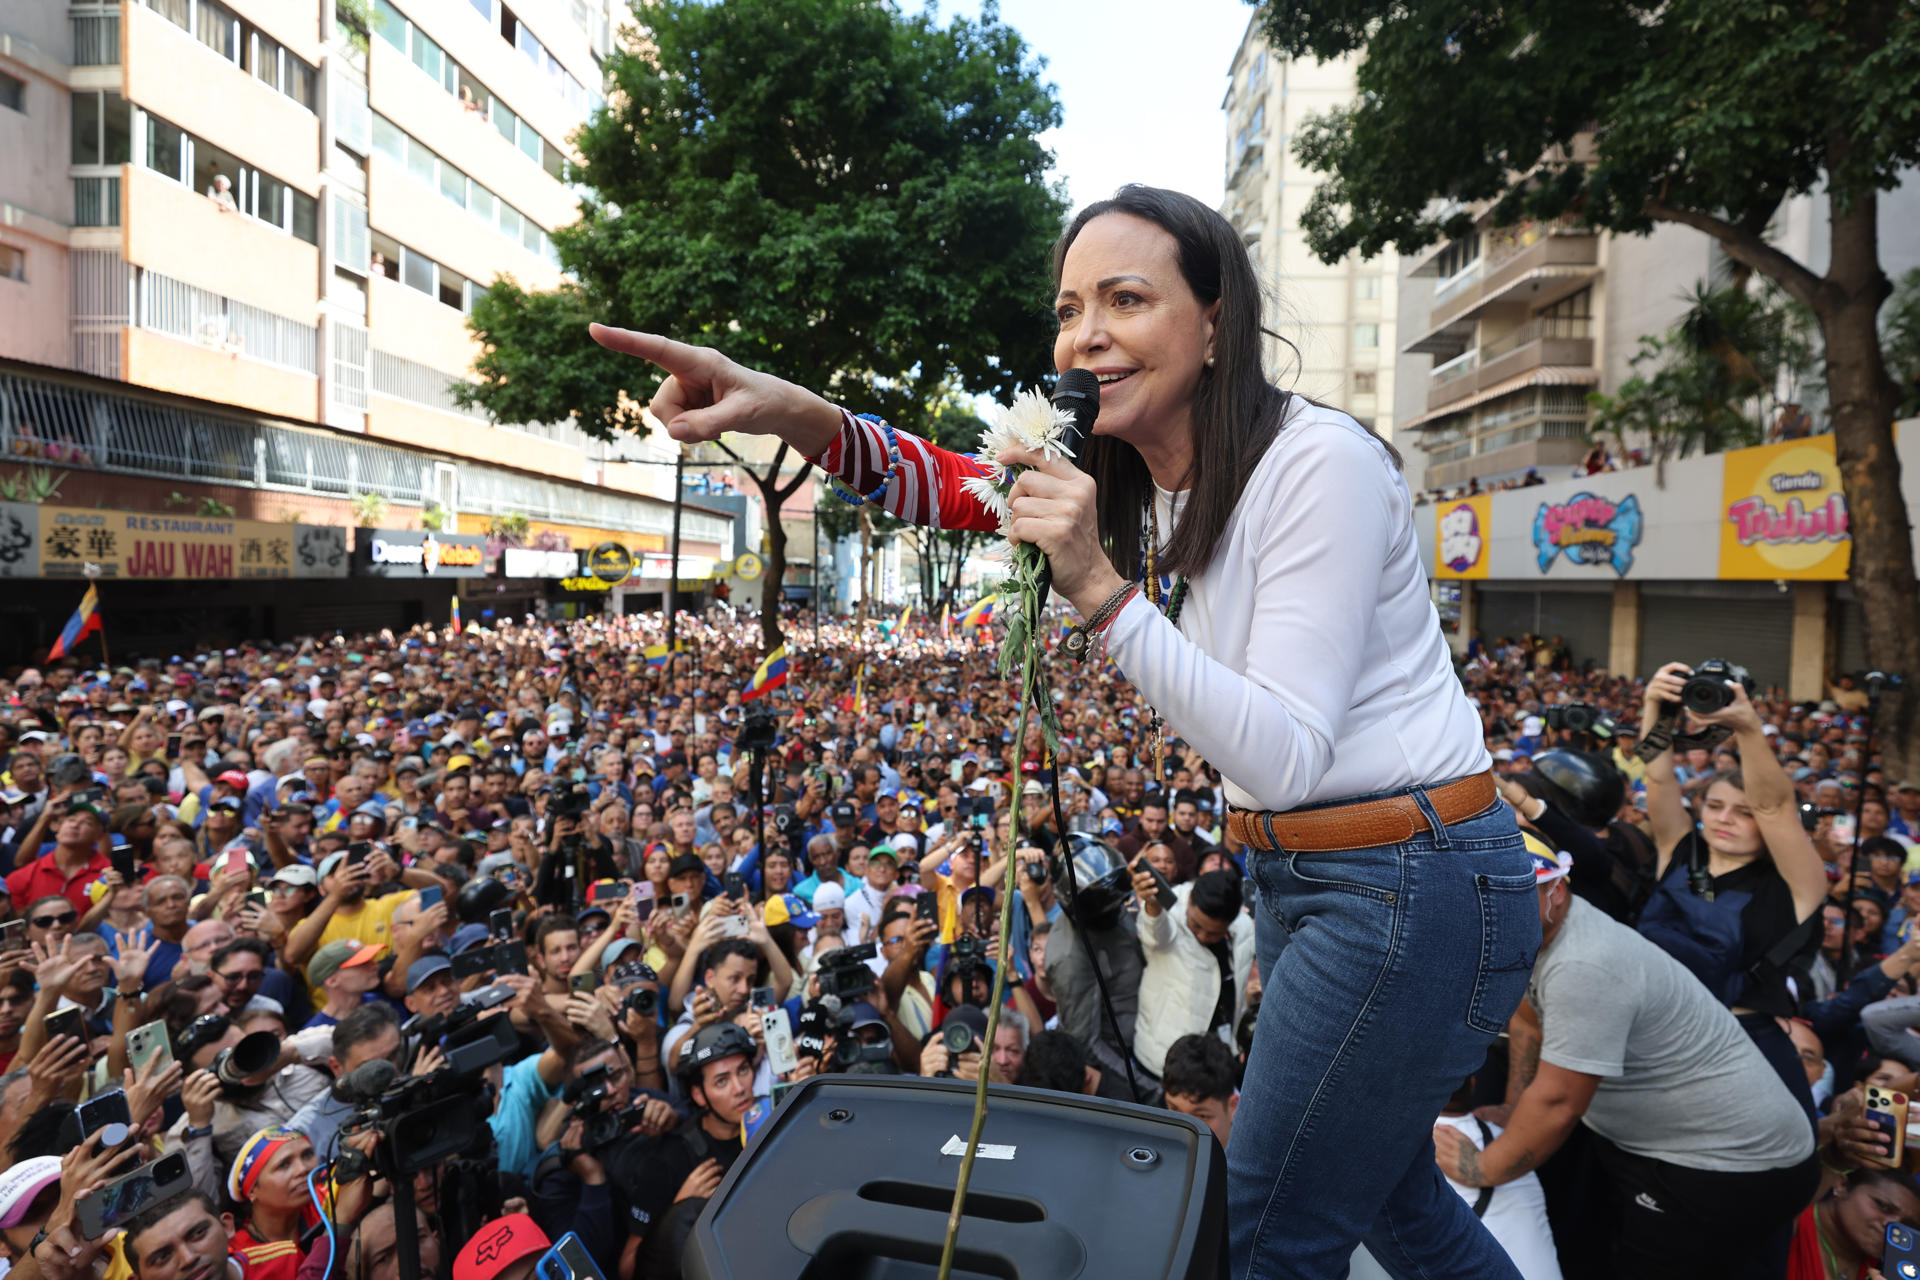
(758, 732)
(844, 974)
(584, 1095)
(570, 800)
(967, 957)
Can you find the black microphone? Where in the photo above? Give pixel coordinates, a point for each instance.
(366, 1082)
(1077, 392)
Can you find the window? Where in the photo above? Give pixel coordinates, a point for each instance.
(349, 241)
(453, 289)
(165, 148)
(505, 121)
(209, 163)
(116, 128)
(13, 263)
(483, 7)
(419, 162)
(510, 221)
(391, 26)
(386, 255)
(299, 81)
(1364, 384)
(388, 140)
(417, 272)
(1368, 288)
(554, 161)
(178, 12)
(453, 185)
(13, 93)
(531, 235)
(1366, 336)
(303, 217)
(86, 129)
(531, 142)
(266, 60)
(481, 201)
(271, 200)
(218, 29)
(427, 55)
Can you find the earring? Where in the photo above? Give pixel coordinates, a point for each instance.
(1209, 362)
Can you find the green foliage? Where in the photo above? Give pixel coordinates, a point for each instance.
(829, 190)
(1900, 341)
(1708, 383)
(1713, 107)
(436, 518)
(357, 19)
(369, 509)
(208, 508)
(31, 484)
(513, 529)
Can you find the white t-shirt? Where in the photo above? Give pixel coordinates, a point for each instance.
(1308, 663)
(1516, 1215)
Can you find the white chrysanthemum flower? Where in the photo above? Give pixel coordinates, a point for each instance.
(1030, 422)
(988, 494)
(992, 466)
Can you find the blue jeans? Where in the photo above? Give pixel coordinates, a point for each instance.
(1386, 972)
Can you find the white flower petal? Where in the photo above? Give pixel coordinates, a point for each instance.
(987, 494)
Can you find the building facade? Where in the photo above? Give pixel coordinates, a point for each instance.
(1341, 320)
(240, 239)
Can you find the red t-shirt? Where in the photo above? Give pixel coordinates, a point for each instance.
(1805, 1260)
(42, 878)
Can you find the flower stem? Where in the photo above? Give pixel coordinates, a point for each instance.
(1029, 602)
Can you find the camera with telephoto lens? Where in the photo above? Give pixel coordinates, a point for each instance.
(584, 1095)
(570, 800)
(255, 1054)
(844, 974)
(1581, 717)
(1706, 692)
(966, 957)
(958, 1037)
(644, 1001)
(850, 1052)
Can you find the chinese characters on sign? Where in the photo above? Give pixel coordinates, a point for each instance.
(76, 542)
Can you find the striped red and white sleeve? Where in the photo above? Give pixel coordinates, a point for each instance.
(926, 490)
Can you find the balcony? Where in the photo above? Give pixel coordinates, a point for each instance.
(1546, 445)
(96, 36)
(1545, 342)
(188, 237)
(1532, 264)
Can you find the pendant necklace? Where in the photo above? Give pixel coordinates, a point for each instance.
(1168, 602)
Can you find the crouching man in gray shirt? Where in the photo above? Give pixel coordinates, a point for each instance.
(1708, 1155)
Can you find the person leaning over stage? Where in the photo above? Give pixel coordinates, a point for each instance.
(1282, 627)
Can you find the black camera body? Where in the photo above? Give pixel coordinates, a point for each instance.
(1581, 717)
(256, 1052)
(1706, 692)
(758, 733)
(644, 1001)
(570, 800)
(844, 974)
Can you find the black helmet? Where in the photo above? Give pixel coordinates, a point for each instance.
(711, 1043)
(1584, 785)
(1095, 893)
(479, 898)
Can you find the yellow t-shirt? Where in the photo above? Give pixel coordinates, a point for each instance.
(372, 923)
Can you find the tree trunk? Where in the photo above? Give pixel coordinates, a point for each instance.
(772, 585)
(866, 566)
(1864, 400)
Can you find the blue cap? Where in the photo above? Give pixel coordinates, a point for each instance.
(425, 967)
(1111, 827)
(467, 937)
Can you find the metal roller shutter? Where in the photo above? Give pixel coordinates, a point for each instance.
(352, 618)
(1584, 619)
(1746, 623)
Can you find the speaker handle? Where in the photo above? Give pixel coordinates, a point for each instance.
(1023, 1249)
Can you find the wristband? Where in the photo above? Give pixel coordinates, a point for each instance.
(193, 1133)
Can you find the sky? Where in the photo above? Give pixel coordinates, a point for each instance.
(1139, 83)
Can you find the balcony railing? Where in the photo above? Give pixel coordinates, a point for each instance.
(1535, 329)
(96, 202)
(1458, 367)
(96, 38)
(1459, 280)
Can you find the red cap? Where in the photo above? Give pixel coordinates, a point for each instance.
(499, 1245)
(234, 778)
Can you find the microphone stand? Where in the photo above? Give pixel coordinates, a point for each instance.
(1877, 682)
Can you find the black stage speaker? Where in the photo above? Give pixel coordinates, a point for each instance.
(853, 1177)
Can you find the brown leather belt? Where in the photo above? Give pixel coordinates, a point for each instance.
(1365, 824)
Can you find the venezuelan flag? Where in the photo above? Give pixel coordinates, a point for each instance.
(453, 620)
(772, 673)
(946, 619)
(656, 655)
(84, 622)
(980, 613)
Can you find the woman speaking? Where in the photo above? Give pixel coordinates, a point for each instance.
(1248, 559)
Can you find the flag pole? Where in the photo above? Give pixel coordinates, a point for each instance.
(105, 659)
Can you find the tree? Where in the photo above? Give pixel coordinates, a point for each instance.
(1711, 382)
(1625, 114)
(828, 190)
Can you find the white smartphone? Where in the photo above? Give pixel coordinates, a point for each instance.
(779, 1036)
(732, 927)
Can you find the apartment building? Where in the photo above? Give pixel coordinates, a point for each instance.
(1341, 320)
(240, 239)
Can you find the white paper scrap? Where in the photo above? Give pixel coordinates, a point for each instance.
(956, 1146)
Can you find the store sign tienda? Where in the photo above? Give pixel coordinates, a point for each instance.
(1783, 513)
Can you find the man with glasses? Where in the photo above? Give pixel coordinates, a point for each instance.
(243, 969)
(50, 919)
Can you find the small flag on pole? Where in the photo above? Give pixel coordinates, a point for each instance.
(84, 622)
(656, 655)
(980, 614)
(770, 675)
(453, 619)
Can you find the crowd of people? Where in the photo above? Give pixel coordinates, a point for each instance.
(411, 954)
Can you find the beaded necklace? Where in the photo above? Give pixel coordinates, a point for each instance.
(1168, 602)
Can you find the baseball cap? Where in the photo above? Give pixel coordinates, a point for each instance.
(495, 862)
(829, 897)
(790, 908)
(844, 814)
(499, 1245)
(338, 955)
(234, 778)
(685, 863)
(467, 937)
(884, 850)
(865, 1015)
(297, 875)
(425, 967)
(1548, 864)
(1032, 787)
(22, 1184)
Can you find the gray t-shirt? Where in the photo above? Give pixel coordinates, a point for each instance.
(1680, 1080)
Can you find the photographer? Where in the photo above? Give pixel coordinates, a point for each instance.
(1734, 894)
(667, 1185)
(574, 850)
(262, 1083)
(1198, 956)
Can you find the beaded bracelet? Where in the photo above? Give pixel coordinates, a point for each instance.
(886, 478)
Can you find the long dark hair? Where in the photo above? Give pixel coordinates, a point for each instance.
(1236, 411)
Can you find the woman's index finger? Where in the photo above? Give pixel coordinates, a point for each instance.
(676, 358)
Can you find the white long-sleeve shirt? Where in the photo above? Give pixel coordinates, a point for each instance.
(1308, 663)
